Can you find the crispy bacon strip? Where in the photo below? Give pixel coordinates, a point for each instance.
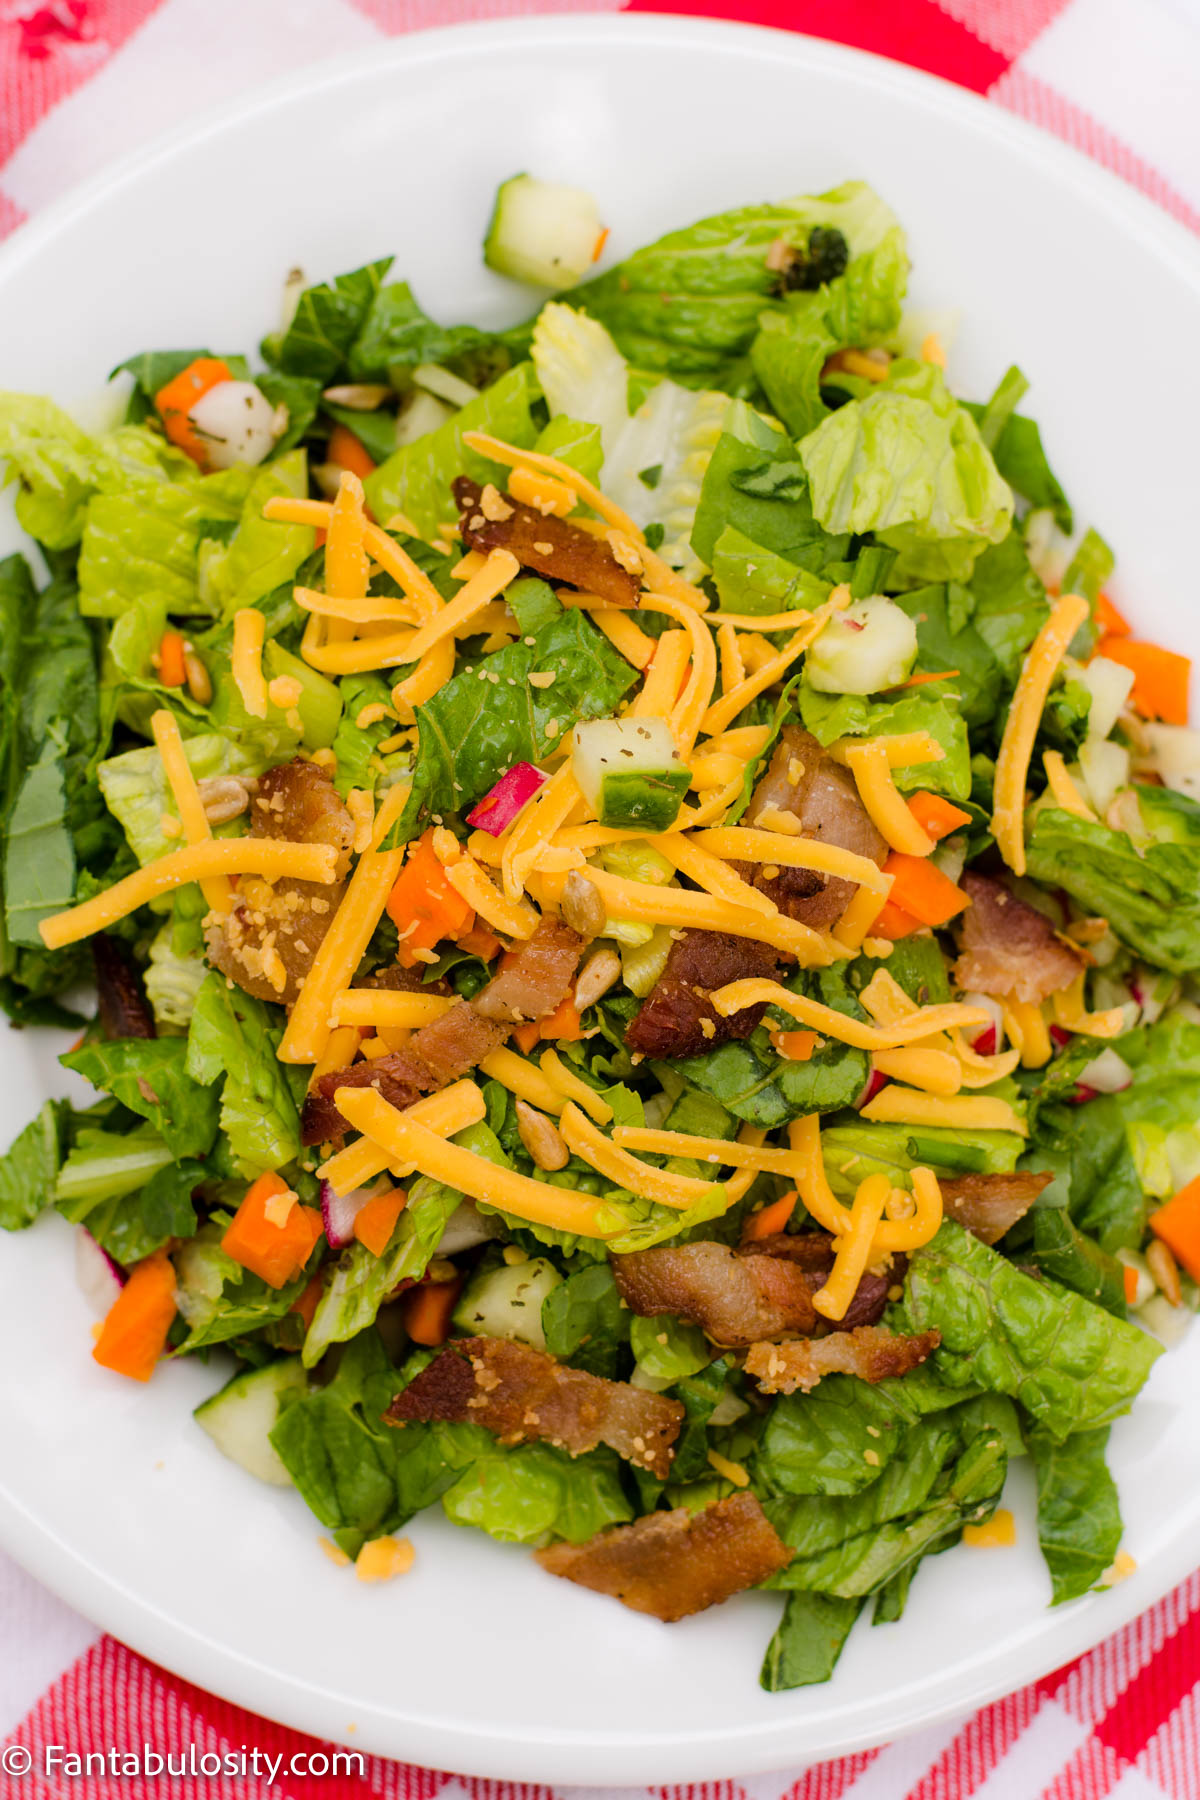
(1010, 949)
(736, 1299)
(521, 1393)
(672, 1564)
(868, 1352)
(990, 1205)
(534, 980)
(552, 546)
(535, 977)
(677, 1018)
(803, 780)
(812, 1251)
(268, 942)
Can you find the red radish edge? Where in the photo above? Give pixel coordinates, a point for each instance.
(875, 1081)
(339, 1211)
(1060, 1036)
(985, 1043)
(1082, 1095)
(500, 806)
(99, 1278)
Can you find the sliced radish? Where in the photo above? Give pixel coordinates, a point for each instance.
(339, 1212)
(99, 1278)
(875, 1081)
(237, 423)
(499, 807)
(1060, 1035)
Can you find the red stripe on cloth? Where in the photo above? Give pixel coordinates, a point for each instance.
(48, 48)
(1009, 26)
(1172, 1756)
(966, 1763)
(11, 215)
(396, 16)
(917, 32)
(1088, 1687)
(1045, 106)
(1154, 1692)
(1091, 1774)
(829, 1781)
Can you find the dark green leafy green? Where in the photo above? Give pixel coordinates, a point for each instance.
(943, 644)
(149, 1076)
(1010, 604)
(830, 716)
(584, 1321)
(327, 320)
(1069, 1256)
(1070, 1364)
(808, 1641)
(1079, 1512)
(467, 740)
(235, 1037)
(817, 1443)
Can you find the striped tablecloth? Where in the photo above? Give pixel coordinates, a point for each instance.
(84, 80)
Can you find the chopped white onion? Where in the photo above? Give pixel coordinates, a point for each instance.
(443, 385)
(1108, 683)
(1108, 1073)
(1175, 750)
(237, 423)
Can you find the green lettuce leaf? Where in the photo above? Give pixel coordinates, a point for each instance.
(810, 1637)
(219, 1299)
(39, 851)
(584, 1322)
(755, 486)
(533, 1492)
(946, 641)
(751, 579)
(148, 1076)
(396, 335)
(138, 794)
(1070, 1364)
(1016, 445)
(29, 1167)
(327, 320)
(106, 1165)
(830, 716)
(908, 463)
(1009, 603)
(467, 741)
(134, 1224)
(416, 480)
(1079, 1512)
(235, 1037)
(262, 554)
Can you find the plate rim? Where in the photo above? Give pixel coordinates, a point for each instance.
(101, 1595)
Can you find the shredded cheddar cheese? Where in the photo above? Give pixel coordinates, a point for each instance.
(625, 635)
(565, 1082)
(1028, 1032)
(341, 950)
(1063, 788)
(740, 843)
(1024, 715)
(722, 712)
(1069, 1012)
(933, 1071)
(664, 678)
(924, 1022)
(853, 1249)
(196, 828)
(384, 1006)
(268, 857)
(524, 1079)
(587, 1141)
(960, 1112)
(878, 792)
(710, 873)
(409, 1143)
(249, 628)
(678, 906)
(514, 918)
(447, 1112)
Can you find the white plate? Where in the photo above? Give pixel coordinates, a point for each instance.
(108, 1492)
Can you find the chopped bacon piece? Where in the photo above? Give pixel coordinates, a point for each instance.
(990, 1205)
(672, 1564)
(535, 977)
(735, 1298)
(552, 546)
(268, 942)
(1010, 949)
(120, 998)
(674, 1014)
(802, 779)
(868, 1352)
(812, 1251)
(435, 1055)
(521, 1393)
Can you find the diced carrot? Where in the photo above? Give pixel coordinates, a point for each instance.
(921, 890)
(423, 904)
(1178, 1225)
(172, 669)
(526, 1036)
(795, 1046)
(480, 942)
(1111, 622)
(345, 451)
(770, 1219)
(176, 400)
(936, 816)
(376, 1221)
(1130, 1275)
(893, 922)
(563, 1023)
(134, 1333)
(598, 246)
(306, 1303)
(273, 1250)
(1160, 677)
(426, 1310)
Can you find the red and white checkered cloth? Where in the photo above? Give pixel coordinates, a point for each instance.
(1120, 79)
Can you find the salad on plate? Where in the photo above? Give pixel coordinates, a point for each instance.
(643, 903)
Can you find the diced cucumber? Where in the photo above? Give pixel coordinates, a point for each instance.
(542, 232)
(506, 1302)
(630, 772)
(1105, 769)
(319, 701)
(422, 414)
(241, 1418)
(870, 646)
(1108, 683)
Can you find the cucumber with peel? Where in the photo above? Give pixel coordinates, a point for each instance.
(870, 646)
(241, 1418)
(630, 772)
(542, 232)
(506, 1301)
